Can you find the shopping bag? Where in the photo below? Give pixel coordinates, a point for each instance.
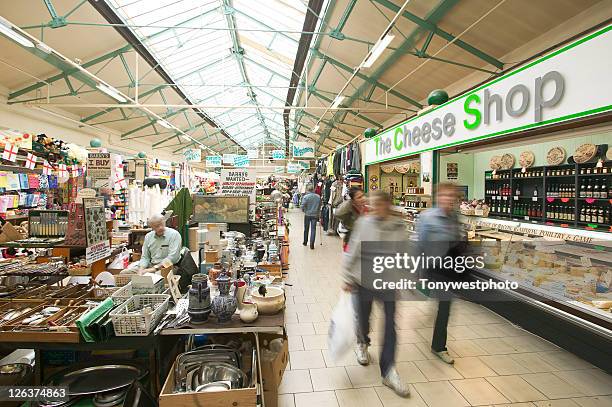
(341, 337)
(121, 261)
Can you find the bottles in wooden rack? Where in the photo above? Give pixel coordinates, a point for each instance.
(595, 214)
(595, 188)
(560, 190)
(560, 212)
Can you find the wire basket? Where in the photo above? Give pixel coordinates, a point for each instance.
(130, 319)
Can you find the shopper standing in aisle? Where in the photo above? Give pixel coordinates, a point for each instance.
(377, 226)
(349, 211)
(311, 204)
(439, 233)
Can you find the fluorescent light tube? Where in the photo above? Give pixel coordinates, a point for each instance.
(165, 124)
(112, 92)
(6, 28)
(44, 48)
(337, 101)
(184, 137)
(379, 47)
(315, 128)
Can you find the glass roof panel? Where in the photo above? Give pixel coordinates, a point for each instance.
(193, 43)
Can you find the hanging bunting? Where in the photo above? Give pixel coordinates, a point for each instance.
(10, 152)
(30, 162)
(47, 168)
(62, 173)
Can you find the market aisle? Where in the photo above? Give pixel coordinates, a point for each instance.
(496, 363)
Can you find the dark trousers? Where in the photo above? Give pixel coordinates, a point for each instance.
(438, 342)
(310, 224)
(363, 307)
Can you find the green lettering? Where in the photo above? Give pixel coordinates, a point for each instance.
(398, 146)
(472, 111)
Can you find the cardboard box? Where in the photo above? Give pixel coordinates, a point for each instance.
(231, 398)
(271, 397)
(272, 370)
(211, 256)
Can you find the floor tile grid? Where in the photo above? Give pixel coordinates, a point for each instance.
(475, 334)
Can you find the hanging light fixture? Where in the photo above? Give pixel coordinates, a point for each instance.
(112, 92)
(377, 50)
(6, 28)
(165, 124)
(337, 101)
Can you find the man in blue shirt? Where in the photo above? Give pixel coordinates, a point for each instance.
(311, 204)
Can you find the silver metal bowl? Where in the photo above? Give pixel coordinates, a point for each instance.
(221, 372)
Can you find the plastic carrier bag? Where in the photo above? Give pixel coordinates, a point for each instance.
(341, 336)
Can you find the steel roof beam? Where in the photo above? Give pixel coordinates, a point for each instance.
(239, 55)
(366, 78)
(95, 61)
(407, 45)
(431, 26)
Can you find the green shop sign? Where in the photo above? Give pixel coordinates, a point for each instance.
(571, 82)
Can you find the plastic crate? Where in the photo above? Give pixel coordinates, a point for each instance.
(129, 318)
(104, 292)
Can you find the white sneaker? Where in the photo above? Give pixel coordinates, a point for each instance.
(363, 357)
(393, 381)
(444, 356)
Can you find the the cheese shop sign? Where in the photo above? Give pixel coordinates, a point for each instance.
(571, 82)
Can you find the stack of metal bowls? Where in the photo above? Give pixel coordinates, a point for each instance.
(209, 368)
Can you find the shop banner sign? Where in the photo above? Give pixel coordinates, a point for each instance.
(253, 154)
(228, 159)
(213, 161)
(279, 169)
(568, 83)
(303, 149)
(97, 252)
(238, 182)
(99, 165)
(278, 154)
(16, 138)
(193, 155)
(293, 168)
(241, 161)
(304, 164)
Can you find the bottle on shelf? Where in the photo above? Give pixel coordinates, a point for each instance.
(595, 188)
(583, 189)
(589, 189)
(535, 191)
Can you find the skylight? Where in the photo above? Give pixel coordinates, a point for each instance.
(193, 42)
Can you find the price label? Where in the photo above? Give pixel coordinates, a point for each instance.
(516, 198)
(526, 217)
(586, 261)
(505, 198)
(534, 199)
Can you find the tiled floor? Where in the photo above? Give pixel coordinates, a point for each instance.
(496, 363)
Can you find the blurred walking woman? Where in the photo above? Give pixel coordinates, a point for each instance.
(349, 211)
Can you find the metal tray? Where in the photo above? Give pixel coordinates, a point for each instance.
(97, 378)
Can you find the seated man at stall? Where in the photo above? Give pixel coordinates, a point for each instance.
(162, 246)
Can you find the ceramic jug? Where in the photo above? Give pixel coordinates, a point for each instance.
(248, 313)
(214, 272)
(224, 305)
(199, 299)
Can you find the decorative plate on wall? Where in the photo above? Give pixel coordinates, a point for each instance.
(507, 161)
(585, 153)
(555, 156)
(526, 159)
(495, 162)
